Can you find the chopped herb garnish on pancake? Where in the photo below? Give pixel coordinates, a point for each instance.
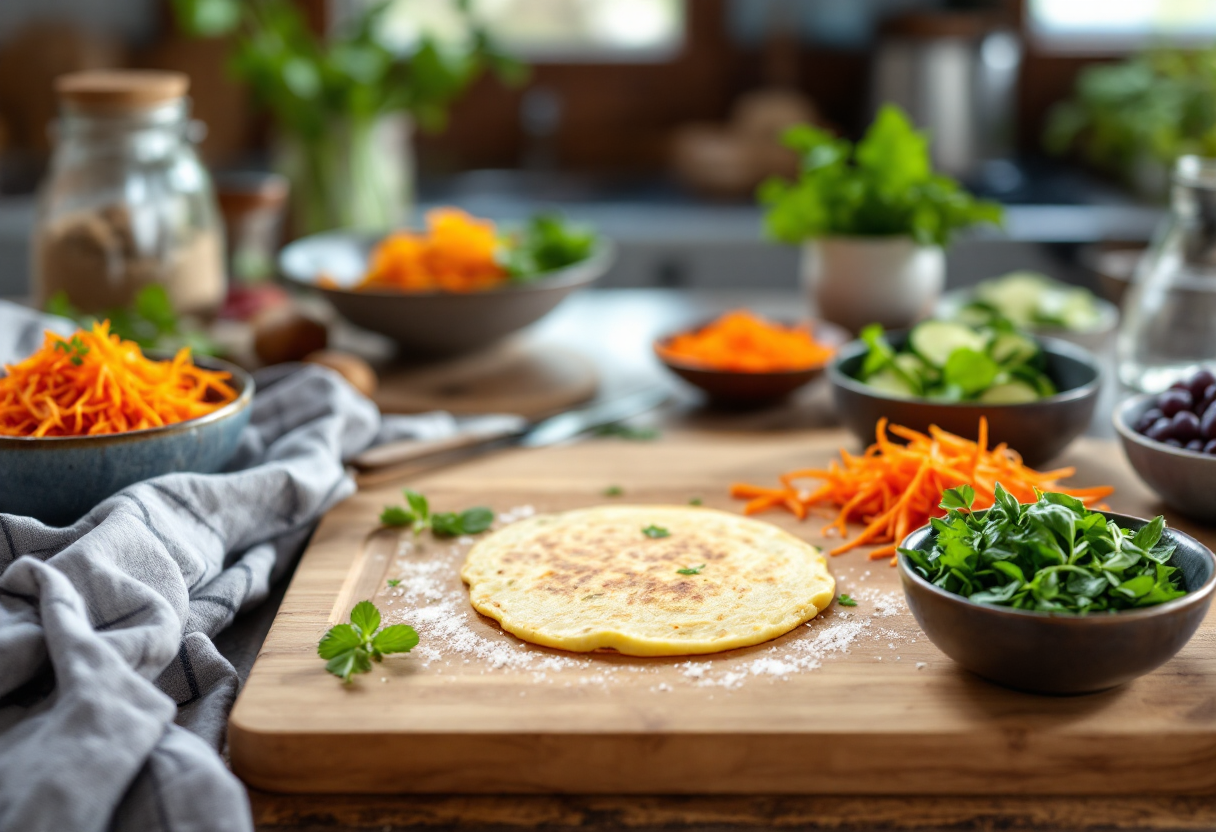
(691, 570)
(654, 531)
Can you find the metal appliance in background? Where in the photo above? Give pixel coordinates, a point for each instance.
(955, 73)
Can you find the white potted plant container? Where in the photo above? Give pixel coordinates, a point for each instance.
(873, 220)
(855, 281)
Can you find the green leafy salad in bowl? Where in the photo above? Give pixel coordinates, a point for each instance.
(1053, 555)
(951, 362)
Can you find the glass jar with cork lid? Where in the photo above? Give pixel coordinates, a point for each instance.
(127, 203)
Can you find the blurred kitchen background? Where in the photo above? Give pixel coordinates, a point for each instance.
(655, 119)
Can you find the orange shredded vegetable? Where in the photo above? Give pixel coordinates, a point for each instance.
(458, 253)
(95, 382)
(742, 342)
(894, 489)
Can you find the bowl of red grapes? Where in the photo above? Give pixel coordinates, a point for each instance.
(1170, 439)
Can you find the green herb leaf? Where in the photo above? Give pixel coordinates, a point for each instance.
(418, 504)
(613, 491)
(653, 531)
(339, 639)
(626, 432)
(476, 520)
(348, 662)
(970, 370)
(689, 570)
(695, 501)
(845, 600)
(958, 498)
(365, 616)
(446, 524)
(393, 582)
(395, 516)
(396, 638)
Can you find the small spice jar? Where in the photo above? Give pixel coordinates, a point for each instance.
(127, 202)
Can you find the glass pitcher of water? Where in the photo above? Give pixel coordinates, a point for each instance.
(1169, 327)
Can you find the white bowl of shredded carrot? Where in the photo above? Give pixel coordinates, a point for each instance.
(85, 416)
(445, 290)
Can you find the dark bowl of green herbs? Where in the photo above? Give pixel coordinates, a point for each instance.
(551, 259)
(1052, 597)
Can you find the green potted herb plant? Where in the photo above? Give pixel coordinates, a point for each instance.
(344, 105)
(873, 219)
(1137, 117)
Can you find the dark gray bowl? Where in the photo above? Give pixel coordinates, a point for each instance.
(1036, 430)
(1059, 653)
(59, 479)
(430, 323)
(1183, 479)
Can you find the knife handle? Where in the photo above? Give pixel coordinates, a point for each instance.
(408, 450)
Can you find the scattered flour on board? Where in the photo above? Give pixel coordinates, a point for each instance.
(438, 608)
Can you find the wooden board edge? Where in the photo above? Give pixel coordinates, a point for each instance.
(702, 764)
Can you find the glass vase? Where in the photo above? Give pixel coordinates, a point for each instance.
(1169, 327)
(356, 176)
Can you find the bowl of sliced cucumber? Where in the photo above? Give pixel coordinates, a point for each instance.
(1038, 394)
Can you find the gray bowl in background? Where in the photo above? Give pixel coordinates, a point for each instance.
(1060, 653)
(1094, 340)
(430, 323)
(1037, 430)
(1185, 480)
(59, 479)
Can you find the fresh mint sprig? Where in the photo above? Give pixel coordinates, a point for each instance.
(351, 648)
(442, 524)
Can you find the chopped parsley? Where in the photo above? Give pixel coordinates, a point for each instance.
(613, 491)
(654, 532)
(392, 582)
(845, 600)
(691, 570)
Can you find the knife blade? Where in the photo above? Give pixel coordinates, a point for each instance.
(548, 431)
(570, 424)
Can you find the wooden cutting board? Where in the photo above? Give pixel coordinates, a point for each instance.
(856, 702)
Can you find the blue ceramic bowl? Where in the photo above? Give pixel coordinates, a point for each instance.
(59, 479)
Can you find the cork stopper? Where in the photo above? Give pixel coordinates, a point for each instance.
(110, 90)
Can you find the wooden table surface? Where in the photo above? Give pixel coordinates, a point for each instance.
(615, 329)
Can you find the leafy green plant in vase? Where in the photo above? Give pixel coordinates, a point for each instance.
(873, 219)
(344, 106)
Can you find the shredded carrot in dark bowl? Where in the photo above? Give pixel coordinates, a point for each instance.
(88, 415)
(741, 358)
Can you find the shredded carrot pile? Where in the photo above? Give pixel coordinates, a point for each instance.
(458, 253)
(95, 382)
(742, 342)
(894, 489)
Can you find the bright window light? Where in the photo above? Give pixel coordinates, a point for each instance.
(578, 31)
(1090, 25)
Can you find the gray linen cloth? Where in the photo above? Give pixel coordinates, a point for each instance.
(113, 696)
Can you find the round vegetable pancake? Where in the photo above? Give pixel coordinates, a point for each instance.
(646, 580)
